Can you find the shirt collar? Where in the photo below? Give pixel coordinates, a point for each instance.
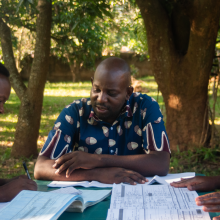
(126, 112)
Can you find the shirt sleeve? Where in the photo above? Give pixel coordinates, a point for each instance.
(154, 132)
(62, 137)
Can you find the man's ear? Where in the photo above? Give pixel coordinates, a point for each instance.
(92, 80)
(130, 90)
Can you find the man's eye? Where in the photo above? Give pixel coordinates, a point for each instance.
(113, 94)
(96, 90)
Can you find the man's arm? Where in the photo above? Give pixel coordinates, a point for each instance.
(44, 170)
(154, 163)
(199, 183)
(3, 181)
(79, 166)
(13, 186)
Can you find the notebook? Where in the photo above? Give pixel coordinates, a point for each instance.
(85, 198)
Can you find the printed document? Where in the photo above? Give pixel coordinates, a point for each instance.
(34, 205)
(154, 202)
(143, 214)
(165, 180)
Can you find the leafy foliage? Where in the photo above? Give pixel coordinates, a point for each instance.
(76, 33)
(200, 160)
(125, 29)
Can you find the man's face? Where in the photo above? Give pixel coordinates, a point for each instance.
(5, 89)
(108, 94)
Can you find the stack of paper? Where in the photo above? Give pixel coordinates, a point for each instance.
(169, 178)
(161, 202)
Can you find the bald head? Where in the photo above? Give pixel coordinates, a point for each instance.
(113, 67)
(110, 88)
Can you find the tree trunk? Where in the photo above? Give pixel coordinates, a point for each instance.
(27, 128)
(181, 41)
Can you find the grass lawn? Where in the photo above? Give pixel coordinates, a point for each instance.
(57, 96)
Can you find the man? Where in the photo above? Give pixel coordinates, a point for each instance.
(211, 201)
(115, 136)
(9, 188)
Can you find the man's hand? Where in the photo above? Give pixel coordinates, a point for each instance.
(14, 186)
(76, 160)
(210, 203)
(200, 183)
(120, 175)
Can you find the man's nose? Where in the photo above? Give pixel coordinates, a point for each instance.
(102, 97)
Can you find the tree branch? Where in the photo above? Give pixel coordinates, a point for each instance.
(8, 56)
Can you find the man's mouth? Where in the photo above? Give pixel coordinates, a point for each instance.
(101, 109)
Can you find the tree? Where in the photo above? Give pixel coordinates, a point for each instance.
(181, 38)
(77, 35)
(27, 128)
(67, 16)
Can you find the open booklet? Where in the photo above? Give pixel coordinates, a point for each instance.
(37, 205)
(165, 180)
(85, 199)
(161, 202)
(50, 205)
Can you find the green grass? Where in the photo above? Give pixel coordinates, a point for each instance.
(57, 96)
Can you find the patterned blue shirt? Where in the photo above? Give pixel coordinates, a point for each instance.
(138, 129)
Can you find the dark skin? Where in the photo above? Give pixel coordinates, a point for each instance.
(211, 201)
(9, 188)
(12, 187)
(110, 90)
(5, 89)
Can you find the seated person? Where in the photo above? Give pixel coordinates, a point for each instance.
(9, 188)
(211, 201)
(112, 137)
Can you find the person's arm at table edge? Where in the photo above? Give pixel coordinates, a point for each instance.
(199, 183)
(45, 171)
(155, 163)
(4, 181)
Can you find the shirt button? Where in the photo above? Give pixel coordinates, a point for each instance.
(111, 128)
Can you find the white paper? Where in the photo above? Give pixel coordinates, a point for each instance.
(80, 183)
(169, 178)
(32, 205)
(67, 183)
(143, 214)
(160, 202)
(157, 179)
(88, 198)
(68, 190)
(94, 195)
(152, 197)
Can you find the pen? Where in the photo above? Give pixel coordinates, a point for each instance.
(26, 170)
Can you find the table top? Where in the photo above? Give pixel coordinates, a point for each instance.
(96, 212)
